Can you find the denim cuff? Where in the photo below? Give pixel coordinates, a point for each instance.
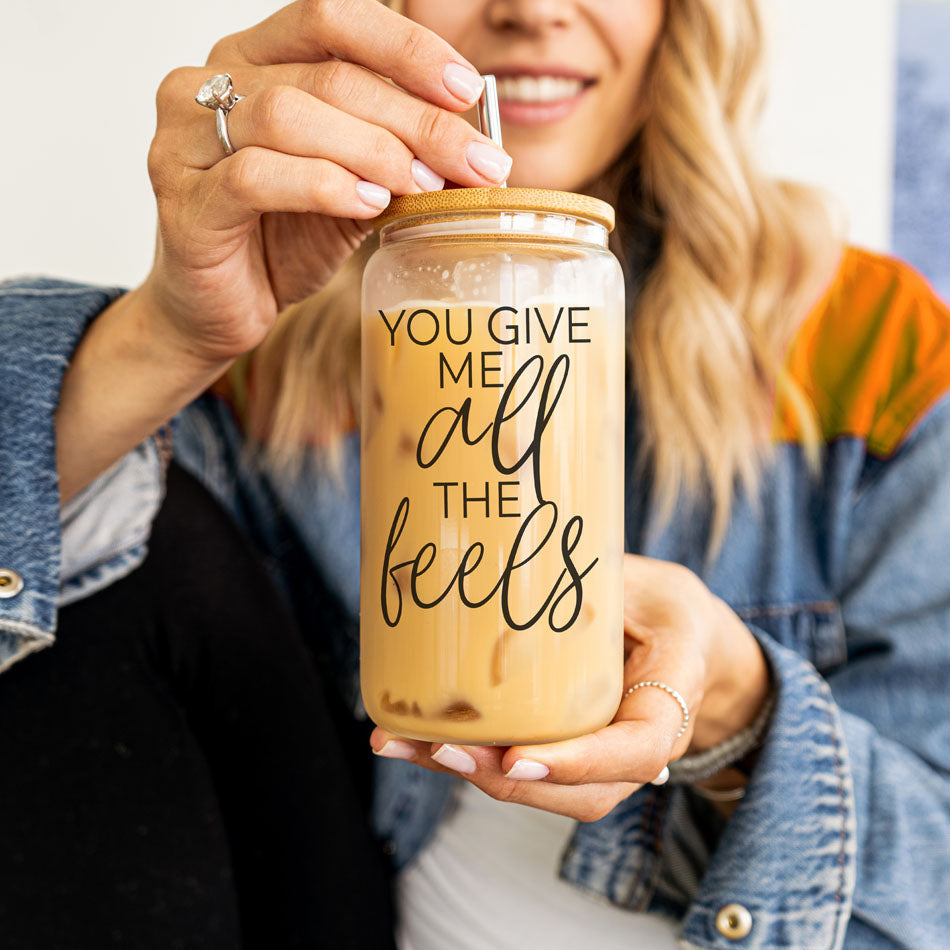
(105, 528)
(787, 854)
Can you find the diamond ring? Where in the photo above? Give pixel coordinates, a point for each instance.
(218, 93)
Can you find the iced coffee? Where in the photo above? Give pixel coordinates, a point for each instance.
(492, 471)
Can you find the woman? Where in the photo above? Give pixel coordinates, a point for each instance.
(786, 498)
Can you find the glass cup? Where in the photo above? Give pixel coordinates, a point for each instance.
(492, 468)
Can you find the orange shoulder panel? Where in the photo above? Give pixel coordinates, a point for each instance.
(872, 356)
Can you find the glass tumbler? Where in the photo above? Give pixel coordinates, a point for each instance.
(492, 468)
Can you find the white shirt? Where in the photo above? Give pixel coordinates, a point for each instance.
(488, 881)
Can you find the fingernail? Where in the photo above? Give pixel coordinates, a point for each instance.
(462, 82)
(455, 759)
(425, 177)
(662, 778)
(374, 195)
(397, 749)
(527, 770)
(488, 161)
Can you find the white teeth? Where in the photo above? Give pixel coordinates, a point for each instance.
(529, 88)
(538, 88)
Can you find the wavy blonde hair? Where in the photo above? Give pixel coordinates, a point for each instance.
(732, 271)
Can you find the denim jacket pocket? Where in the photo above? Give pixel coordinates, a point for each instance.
(814, 630)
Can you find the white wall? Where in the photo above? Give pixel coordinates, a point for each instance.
(78, 114)
(831, 112)
(79, 79)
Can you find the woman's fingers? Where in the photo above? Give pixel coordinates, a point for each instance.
(644, 735)
(256, 180)
(287, 119)
(337, 111)
(580, 802)
(633, 748)
(364, 32)
(482, 766)
(445, 141)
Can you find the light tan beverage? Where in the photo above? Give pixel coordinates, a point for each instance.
(492, 470)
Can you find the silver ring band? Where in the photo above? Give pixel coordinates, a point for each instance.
(664, 776)
(221, 126)
(672, 692)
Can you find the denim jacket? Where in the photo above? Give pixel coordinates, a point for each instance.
(842, 575)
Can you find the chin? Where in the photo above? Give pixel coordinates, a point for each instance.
(543, 172)
(551, 161)
(558, 155)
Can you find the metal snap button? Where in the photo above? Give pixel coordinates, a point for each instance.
(10, 583)
(734, 921)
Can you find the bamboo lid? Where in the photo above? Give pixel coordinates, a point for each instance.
(460, 200)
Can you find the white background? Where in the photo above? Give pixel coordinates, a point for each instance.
(78, 81)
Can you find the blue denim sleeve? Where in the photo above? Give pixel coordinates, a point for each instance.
(844, 834)
(893, 692)
(43, 320)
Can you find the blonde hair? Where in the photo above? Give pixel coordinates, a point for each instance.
(732, 275)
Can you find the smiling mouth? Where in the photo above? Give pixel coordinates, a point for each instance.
(531, 99)
(536, 90)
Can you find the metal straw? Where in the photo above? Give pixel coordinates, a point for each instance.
(489, 119)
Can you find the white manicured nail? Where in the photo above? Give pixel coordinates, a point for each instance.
(490, 162)
(662, 778)
(425, 177)
(374, 195)
(455, 759)
(397, 749)
(462, 82)
(527, 770)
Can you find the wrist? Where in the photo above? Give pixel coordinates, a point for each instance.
(738, 683)
(127, 378)
(737, 754)
(150, 320)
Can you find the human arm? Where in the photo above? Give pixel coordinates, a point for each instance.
(892, 692)
(843, 838)
(126, 379)
(239, 237)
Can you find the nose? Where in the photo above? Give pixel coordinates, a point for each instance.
(531, 16)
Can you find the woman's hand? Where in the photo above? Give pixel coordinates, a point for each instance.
(677, 632)
(323, 139)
